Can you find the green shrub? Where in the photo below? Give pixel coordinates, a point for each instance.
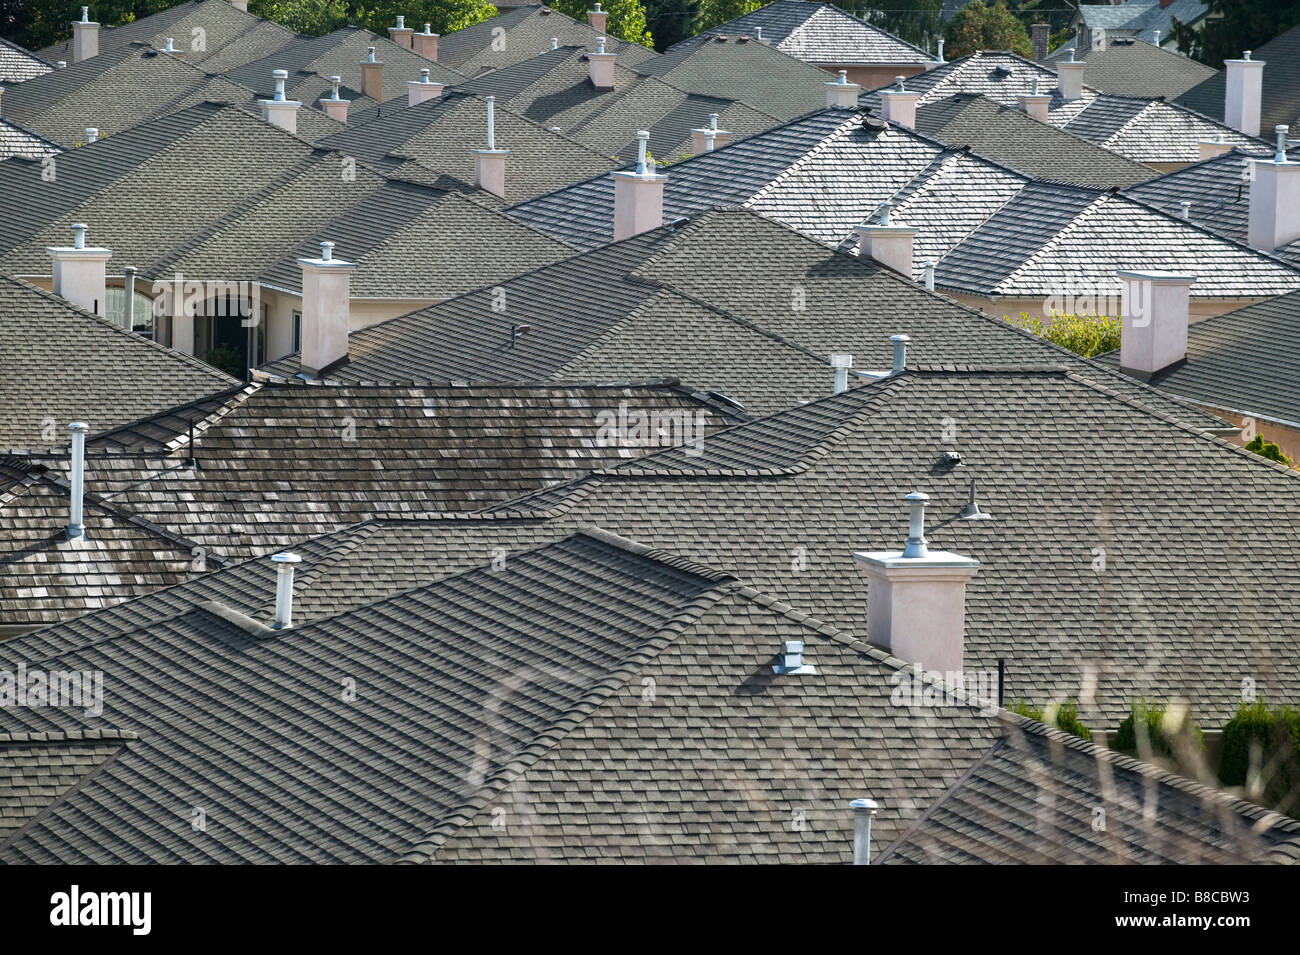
(1267, 449)
(1085, 335)
(1263, 743)
(1062, 716)
(1156, 731)
(227, 359)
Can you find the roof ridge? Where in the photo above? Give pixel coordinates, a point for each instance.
(856, 118)
(1075, 223)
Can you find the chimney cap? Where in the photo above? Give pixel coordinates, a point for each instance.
(370, 54)
(864, 805)
(1157, 277)
(286, 557)
(900, 338)
(841, 361)
(78, 426)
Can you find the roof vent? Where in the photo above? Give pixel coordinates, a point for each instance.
(900, 352)
(517, 332)
(971, 511)
(284, 564)
(863, 810)
(790, 659)
(952, 458)
(841, 364)
(1001, 70)
(170, 47)
(77, 480)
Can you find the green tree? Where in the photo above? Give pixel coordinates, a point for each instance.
(916, 21)
(713, 12)
(310, 17)
(1267, 449)
(1261, 751)
(1085, 335)
(1062, 716)
(38, 23)
(1160, 731)
(627, 18)
(1232, 26)
(978, 26)
(671, 21)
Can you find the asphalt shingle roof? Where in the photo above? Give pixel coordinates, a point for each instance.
(1280, 94)
(18, 65)
(1143, 18)
(1132, 67)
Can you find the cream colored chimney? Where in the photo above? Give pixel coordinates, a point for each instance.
(887, 243)
(422, 90)
(1035, 103)
(372, 76)
(1274, 200)
(1153, 317)
(334, 107)
(281, 111)
(1242, 93)
(85, 37)
(1069, 75)
(709, 138)
(326, 290)
(490, 163)
(898, 105)
(841, 94)
(600, 66)
(598, 19)
(401, 34)
(80, 271)
(1209, 148)
(426, 43)
(638, 196)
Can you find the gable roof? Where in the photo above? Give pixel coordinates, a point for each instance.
(822, 33)
(1131, 67)
(18, 141)
(18, 64)
(61, 364)
(1010, 136)
(1144, 19)
(521, 33)
(1280, 90)
(1040, 796)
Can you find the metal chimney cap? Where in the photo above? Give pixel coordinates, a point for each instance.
(285, 557)
(370, 54)
(917, 496)
(900, 338)
(864, 804)
(841, 361)
(78, 426)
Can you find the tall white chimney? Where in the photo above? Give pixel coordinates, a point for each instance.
(638, 196)
(916, 597)
(598, 19)
(280, 110)
(80, 271)
(426, 43)
(841, 94)
(77, 481)
(1243, 90)
(898, 105)
(1069, 75)
(85, 37)
(600, 66)
(1153, 321)
(709, 138)
(332, 105)
(1274, 199)
(372, 76)
(1034, 103)
(490, 163)
(326, 291)
(422, 90)
(887, 243)
(284, 565)
(401, 34)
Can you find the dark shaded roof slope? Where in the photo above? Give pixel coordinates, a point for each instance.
(824, 34)
(1043, 797)
(1132, 67)
(1280, 93)
(59, 364)
(37, 769)
(1009, 136)
(1144, 18)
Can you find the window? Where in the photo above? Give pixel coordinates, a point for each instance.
(297, 331)
(142, 313)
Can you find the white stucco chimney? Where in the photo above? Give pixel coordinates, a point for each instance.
(1243, 89)
(841, 94)
(426, 43)
(332, 105)
(598, 19)
(916, 597)
(372, 76)
(85, 37)
(280, 110)
(600, 66)
(80, 271)
(887, 243)
(490, 163)
(1035, 103)
(898, 105)
(709, 138)
(422, 90)
(326, 290)
(401, 34)
(1153, 317)
(638, 195)
(1274, 199)
(1069, 75)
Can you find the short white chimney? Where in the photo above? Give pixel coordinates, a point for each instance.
(1069, 75)
(372, 76)
(888, 244)
(927, 275)
(841, 94)
(85, 37)
(77, 481)
(600, 66)
(422, 90)
(1209, 148)
(1153, 321)
(284, 565)
(898, 105)
(598, 19)
(426, 44)
(863, 811)
(490, 163)
(80, 271)
(1035, 103)
(709, 138)
(916, 597)
(240, 5)
(939, 60)
(280, 110)
(841, 364)
(1274, 200)
(638, 196)
(401, 34)
(332, 105)
(92, 134)
(1243, 89)
(326, 290)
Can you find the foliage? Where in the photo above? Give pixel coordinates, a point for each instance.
(226, 359)
(311, 17)
(1232, 26)
(1062, 716)
(1261, 751)
(39, 23)
(979, 26)
(1162, 731)
(1267, 449)
(317, 17)
(671, 21)
(916, 21)
(713, 12)
(1085, 335)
